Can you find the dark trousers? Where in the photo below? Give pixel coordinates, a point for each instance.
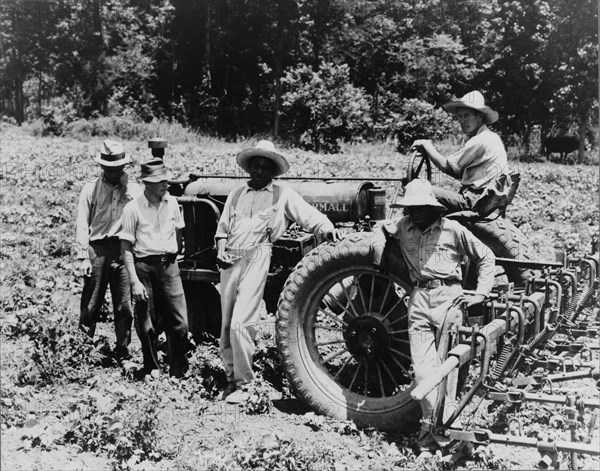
(453, 200)
(107, 269)
(165, 311)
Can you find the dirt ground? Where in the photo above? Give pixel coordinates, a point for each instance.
(66, 406)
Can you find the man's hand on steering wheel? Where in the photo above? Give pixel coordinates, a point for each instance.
(423, 146)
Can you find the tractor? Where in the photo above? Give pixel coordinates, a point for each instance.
(341, 312)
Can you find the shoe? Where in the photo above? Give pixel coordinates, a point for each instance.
(425, 455)
(239, 396)
(226, 392)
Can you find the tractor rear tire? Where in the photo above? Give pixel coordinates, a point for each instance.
(507, 241)
(335, 301)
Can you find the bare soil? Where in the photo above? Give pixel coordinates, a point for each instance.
(186, 427)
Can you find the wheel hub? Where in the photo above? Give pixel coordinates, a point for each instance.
(366, 337)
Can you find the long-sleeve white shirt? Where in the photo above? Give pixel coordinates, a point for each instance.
(245, 226)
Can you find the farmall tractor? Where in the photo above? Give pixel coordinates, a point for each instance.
(341, 313)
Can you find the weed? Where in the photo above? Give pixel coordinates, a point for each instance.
(259, 401)
(121, 423)
(271, 452)
(12, 410)
(58, 349)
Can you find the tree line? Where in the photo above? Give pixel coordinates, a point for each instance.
(313, 72)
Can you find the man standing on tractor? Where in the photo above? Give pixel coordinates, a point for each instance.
(433, 248)
(98, 253)
(255, 215)
(481, 165)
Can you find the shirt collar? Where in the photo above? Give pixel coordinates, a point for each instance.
(146, 201)
(482, 129)
(268, 188)
(435, 225)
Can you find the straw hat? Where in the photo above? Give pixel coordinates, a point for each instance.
(154, 171)
(112, 154)
(263, 149)
(419, 193)
(475, 101)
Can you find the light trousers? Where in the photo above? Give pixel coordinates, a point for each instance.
(430, 318)
(242, 288)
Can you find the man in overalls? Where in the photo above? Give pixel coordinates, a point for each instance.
(255, 215)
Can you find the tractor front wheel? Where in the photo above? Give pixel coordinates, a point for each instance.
(342, 333)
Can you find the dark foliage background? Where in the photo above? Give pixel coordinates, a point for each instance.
(313, 72)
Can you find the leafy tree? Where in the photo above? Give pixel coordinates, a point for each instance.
(24, 32)
(321, 107)
(573, 45)
(515, 74)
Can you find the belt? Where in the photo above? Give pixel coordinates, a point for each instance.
(164, 258)
(436, 283)
(107, 241)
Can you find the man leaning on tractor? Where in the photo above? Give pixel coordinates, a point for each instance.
(98, 253)
(433, 248)
(255, 215)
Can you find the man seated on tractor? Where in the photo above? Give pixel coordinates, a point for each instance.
(481, 165)
(255, 215)
(433, 248)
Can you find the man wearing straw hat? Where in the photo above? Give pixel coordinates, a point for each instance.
(481, 165)
(433, 248)
(98, 256)
(150, 241)
(255, 215)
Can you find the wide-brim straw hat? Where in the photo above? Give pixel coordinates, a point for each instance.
(475, 101)
(112, 154)
(265, 149)
(419, 193)
(154, 171)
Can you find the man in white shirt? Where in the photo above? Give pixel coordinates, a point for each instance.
(99, 259)
(481, 165)
(255, 215)
(150, 241)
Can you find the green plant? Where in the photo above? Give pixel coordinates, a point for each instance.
(259, 400)
(58, 350)
(12, 410)
(121, 423)
(322, 106)
(271, 452)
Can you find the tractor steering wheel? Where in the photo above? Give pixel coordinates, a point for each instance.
(415, 164)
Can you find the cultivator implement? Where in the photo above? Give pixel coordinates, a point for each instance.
(527, 341)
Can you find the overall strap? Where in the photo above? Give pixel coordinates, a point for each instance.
(277, 190)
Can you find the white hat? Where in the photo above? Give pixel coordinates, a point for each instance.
(265, 149)
(475, 101)
(112, 154)
(419, 193)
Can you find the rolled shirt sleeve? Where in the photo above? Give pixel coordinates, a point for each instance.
(306, 216)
